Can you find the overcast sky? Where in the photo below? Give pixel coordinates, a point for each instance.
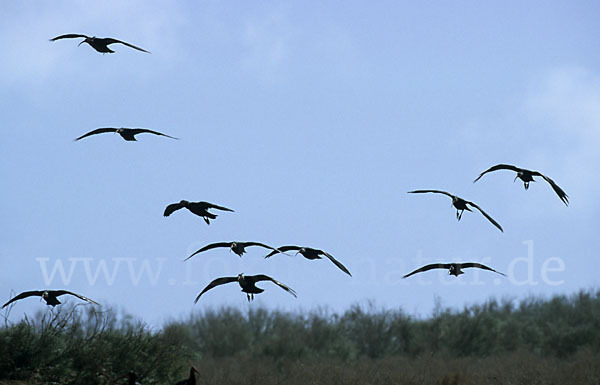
(311, 120)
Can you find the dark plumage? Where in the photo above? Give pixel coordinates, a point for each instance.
(310, 253)
(50, 296)
(127, 133)
(198, 208)
(191, 380)
(461, 205)
(247, 283)
(453, 268)
(527, 176)
(237, 247)
(100, 44)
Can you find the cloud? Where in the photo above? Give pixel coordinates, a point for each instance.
(266, 41)
(566, 103)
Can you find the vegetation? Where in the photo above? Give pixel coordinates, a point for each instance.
(551, 341)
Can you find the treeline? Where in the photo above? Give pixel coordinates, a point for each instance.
(83, 346)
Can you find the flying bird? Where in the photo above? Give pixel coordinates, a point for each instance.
(461, 205)
(527, 176)
(237, 247)
(127, 133)
(191, 380)
(100, 44)
(310, 253)
(247, 283)
(50, 296)
(198, 208)
(453, 268)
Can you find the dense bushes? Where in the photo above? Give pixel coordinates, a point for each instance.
(82, 346)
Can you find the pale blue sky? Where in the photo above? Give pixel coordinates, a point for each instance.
(312, 121)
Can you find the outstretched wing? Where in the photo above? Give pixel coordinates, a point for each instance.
(260, 244)
(98, 131)
(262, 277)
(24, 294)
(498, 167)
(560, 192)
(62, 292)
(170, 209)
(68, 36)
(217, 207)
(211, 246)
(429, 267)
(110, 40)
(282, 249)
(479, 266)
(486, 215)
(214, 283)
(136, 131)
(431, 191)
(336, 262)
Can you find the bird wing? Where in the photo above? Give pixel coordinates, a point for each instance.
(170, 209)
(136, 131)
(261, 245)
(560, 192)
(336, 262)
(68, 36)
(282, 249)
(211, 246)
(110, 40)
(480, 266)
(214, 283)
(213, 206)
(429, 267)
(431, 191)
(62, 292)
(486, 215)
(262, 277)
(498, 167)
(98, 131)
(24, 294)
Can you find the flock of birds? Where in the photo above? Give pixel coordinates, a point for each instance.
(248, 282)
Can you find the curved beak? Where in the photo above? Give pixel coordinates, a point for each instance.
(83, 41)
(515, 179)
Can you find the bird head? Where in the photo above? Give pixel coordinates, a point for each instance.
(45, 295)
(301, 250)
(240, 276)
(194, 370)
(183, 202)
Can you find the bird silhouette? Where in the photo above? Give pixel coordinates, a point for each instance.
(453, 268)
(461, 205)
(127, 133)
(247, 283)
(50, 296)
(191, 380)
(310, 253)
(198, 208)
(237, 247)
(100, 44)
(527, 176)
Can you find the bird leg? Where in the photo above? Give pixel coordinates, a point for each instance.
(526, 184)
(459, 214)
